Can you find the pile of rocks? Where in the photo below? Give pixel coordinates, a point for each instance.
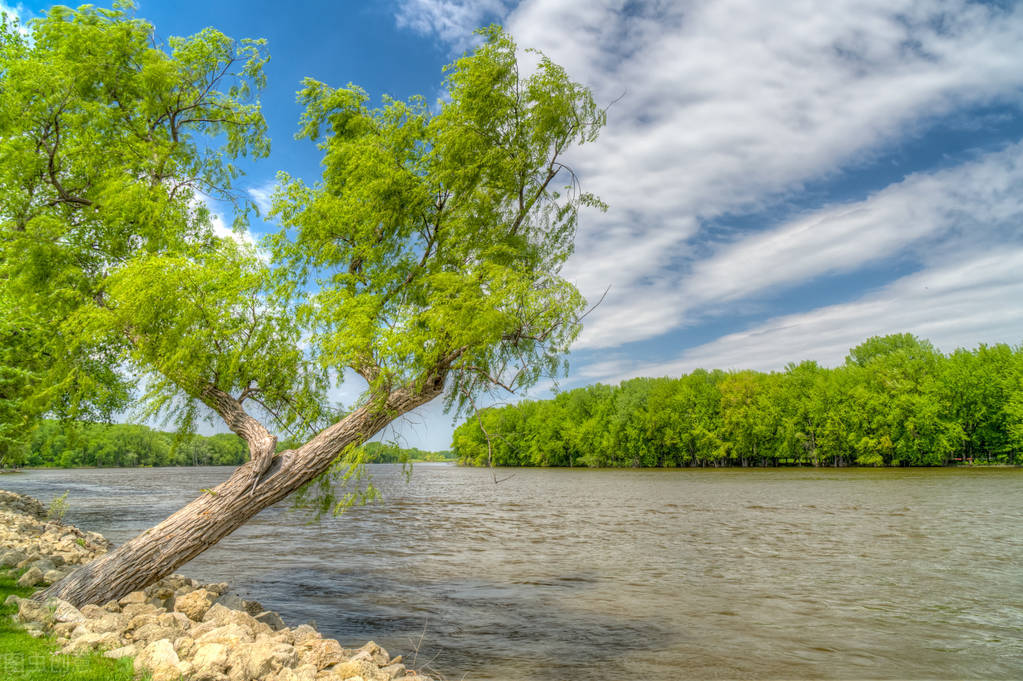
(176, 628)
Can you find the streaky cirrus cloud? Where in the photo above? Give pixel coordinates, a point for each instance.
(732, 106)
(952, 306)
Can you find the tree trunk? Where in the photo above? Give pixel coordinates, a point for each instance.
(158, 551)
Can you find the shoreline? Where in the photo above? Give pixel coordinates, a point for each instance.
(176, 628)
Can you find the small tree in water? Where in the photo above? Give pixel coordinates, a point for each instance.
(426, 260)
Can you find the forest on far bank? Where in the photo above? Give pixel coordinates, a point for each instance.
(896, 401)
(76, 444)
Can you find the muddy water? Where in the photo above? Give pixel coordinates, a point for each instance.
(577, 574)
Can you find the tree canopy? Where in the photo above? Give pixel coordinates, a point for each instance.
(895, 401)
(426, 259)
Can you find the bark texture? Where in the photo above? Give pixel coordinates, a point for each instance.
(255, 485)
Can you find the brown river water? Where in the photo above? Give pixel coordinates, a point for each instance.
(558, 575)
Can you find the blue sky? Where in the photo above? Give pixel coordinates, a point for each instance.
(785, 179)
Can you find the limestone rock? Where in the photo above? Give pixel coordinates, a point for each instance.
(231, 601)
(90, 641)
(230, 635)
(322, 652)
(65, 612)
(194, 605)
(271, 619)
(376, 653)
(11, 558)
(53, 576)
(160, 660)
(32, 577)
(133, 598)
(124, 651)
(210, 659)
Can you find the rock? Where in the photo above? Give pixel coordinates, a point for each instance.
(53, 576)
(230, 635)
(112, 606)
(394, 671)
(31, 611)
(134, 597)
(363, 668)
(65, 612)
(231, 601)
(322, 652)
(377, 654)
(210, 659)
(44, 565)
(252, 607)
(160, 660)
(184, 646)
(32, 577)
(194, 605)
(90, 641)
(12, 600)
(263, 657)
(271, 619)
(11, 558)
(306, 672)
(92, 611)
(124, 651)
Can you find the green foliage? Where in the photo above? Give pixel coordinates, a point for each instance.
(108, 143)
(434, 241)
(75, 444)
(58, 507)
(386, 452)
(427, 257)
(896, 401)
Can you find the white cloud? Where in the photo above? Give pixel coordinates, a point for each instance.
(960, 304)
(732, 105)
(261, 196)
(451, 21)
(18, 13)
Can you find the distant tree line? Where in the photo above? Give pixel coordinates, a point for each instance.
(896, 401)
(76, 444)
(386, 452)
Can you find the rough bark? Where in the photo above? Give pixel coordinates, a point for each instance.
(253, 486)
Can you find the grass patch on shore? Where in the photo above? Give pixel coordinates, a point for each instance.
(24, 658)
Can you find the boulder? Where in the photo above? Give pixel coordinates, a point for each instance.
(44, 565)
(194, 605)
(160, 660)
(252, 607)
(31, 611)
(232, 601)
(89, 641)
(363, 668)
(210, 659)
(133, 598)
(65, 612)
(321, 652)
(394, 671)
(230, 635)
(271, 619)
(376, 653)
(263, 657)
(31, 578)
(123, 651)
(53, 576)
(11, 558)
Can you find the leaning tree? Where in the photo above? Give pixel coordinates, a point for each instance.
(425, 261)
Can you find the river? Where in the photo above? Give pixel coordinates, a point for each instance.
(557, 575)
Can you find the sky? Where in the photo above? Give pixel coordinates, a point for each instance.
(784, 179)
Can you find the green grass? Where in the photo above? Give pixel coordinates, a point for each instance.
(23, 658)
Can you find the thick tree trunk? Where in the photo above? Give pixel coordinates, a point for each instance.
(254, 486)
